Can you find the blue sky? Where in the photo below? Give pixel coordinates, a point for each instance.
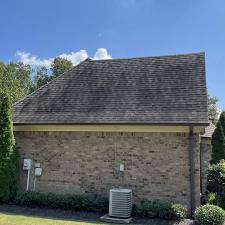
(36, 31)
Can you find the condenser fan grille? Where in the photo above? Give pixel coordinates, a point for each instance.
(120, 203)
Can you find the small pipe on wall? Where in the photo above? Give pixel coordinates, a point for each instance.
(28, 179)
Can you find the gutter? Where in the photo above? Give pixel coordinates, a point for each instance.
(116, 123)
(192, 170)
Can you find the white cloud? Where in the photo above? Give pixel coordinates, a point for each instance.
(74, 57)
(32, 60)
(102, 53)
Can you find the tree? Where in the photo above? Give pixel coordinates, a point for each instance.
(8, 152)
(15, 80)
(222, 121)
(218, 144)
(213, 110)
(60, 65)
(41, 78)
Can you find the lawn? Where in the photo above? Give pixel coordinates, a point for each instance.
(16, 215)
(10, 219)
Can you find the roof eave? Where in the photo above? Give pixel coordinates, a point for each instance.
(141, 123)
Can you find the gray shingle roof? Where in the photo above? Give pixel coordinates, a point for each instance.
(148, 90)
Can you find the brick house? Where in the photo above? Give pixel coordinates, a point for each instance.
(144, 113)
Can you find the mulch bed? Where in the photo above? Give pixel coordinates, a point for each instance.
(85, 216)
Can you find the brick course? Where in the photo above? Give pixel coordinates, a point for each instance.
(156, 164)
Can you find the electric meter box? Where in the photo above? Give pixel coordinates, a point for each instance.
(122, 167)
(27, 164)
(38, 171)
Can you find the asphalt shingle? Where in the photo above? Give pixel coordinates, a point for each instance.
(148, 90)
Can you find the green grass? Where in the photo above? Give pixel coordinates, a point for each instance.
(13, 219)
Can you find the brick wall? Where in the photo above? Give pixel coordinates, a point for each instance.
(156, 164)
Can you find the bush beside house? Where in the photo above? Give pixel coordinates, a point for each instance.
(216, 171)
(209, 215)
(94, 203)
(76, 202)
(218, 140)
(216, 184)
(216, 178)
(163, 210)
(9, 158)
(218, 144)
(212, 198)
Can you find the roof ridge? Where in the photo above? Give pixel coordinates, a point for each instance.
(54, 79)
(150, 57)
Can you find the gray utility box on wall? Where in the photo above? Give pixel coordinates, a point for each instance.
(120, 203)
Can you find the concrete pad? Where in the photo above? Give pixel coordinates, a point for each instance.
(108, 219)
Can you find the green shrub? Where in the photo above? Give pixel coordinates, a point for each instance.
(216, 184)
(9, 158)
(74, 202)
(218, 143)
(216, 178)
(212, 198)
(14, 172)
(222, 121)
(209, 215)
(221, 200)
(179, 211)
(159, 209)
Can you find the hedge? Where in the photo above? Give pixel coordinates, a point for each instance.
(95, 203)
(77, 202)
(160, 209)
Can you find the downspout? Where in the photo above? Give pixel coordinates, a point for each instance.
(192, 169)
(201, 167)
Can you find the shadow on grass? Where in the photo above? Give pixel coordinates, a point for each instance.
(40, 213)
